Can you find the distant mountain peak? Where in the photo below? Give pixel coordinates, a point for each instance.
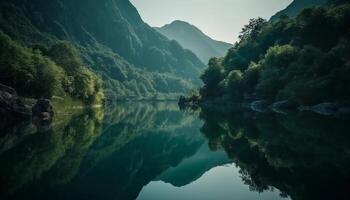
(182, 25)
(192, 38)
(180, 22)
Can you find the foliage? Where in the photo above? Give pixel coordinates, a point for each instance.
(133, 60)
(79, 81)
(211, 77)
(304, 59)
(59, 72)
(234, 83)
(27, 70)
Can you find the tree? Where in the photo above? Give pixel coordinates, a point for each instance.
(235, 84)
(212, 76)
(251, 30)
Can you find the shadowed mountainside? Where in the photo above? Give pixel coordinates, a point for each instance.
(133, 59)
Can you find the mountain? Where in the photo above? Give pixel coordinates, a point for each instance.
(297, 6)
(132, 58)
(195, 40)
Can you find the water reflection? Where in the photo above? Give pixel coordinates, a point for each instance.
(95, 154)
(306, 156)
(144, 150)
(221, 182)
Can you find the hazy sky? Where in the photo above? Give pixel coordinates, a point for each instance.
(220, 19)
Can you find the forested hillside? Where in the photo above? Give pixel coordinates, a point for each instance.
(44, 72)
(132, 58)
(305, 60)
(297, 6)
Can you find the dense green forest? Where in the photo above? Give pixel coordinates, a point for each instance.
(303, 59)
(45, 72)
(132, 59)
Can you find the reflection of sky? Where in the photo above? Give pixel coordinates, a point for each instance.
(190, 169)
(220, 19)
(220, 183)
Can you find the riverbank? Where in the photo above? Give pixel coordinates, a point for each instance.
(15, 109)
(263, 106)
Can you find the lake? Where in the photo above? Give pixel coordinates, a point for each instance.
(155, 151)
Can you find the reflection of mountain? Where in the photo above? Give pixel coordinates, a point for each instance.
(87, 158)
(123, 174)
(84, 157)
(194, 167)
(128, 121)
(305, 156)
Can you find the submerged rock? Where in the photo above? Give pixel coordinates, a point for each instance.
(283, 107)
(260, 106)
(323, 108)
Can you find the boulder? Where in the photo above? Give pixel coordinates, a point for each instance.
(12, 109)
(43, 110)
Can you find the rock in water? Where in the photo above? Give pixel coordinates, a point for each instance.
(42, 111)
(12, 109)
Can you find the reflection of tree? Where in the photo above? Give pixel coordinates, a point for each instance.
(54, 154)
(303, 155)
(139, 142)
(128, 121)
(96, 155)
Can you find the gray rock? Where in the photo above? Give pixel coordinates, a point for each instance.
(11, 107)
(43, 110)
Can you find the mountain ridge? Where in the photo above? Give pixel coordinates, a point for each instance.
(132, 58)
(192, 38)
(297, 6)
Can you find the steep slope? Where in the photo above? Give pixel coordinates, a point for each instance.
(133, 58)
(297, 6)
(195, 40)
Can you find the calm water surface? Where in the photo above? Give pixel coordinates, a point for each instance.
(154, 151)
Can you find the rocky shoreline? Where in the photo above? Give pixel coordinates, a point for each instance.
(13, 109)
(262, 106)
